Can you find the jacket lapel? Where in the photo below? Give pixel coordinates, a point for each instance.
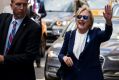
(88, 41)
(72, 39)
(5, 32)
(20, 30)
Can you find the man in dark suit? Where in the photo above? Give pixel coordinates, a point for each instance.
(19, 43)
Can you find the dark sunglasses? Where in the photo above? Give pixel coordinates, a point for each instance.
(82, 16)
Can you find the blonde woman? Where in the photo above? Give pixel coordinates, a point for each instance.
(80, 52)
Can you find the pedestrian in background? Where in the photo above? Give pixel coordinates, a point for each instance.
(79, 55)
(41, 13)
(37, 13)
(19, 43)
(79, 3)
(38, 8)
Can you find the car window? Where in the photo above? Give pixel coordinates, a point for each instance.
(116, 10)
(59, 5)
(70, 27)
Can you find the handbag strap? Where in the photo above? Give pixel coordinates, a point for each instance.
(69, 41)
(69, 37)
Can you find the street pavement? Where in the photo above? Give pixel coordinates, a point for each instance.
(40, 71)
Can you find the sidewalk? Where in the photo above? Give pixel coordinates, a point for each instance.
(40, 71)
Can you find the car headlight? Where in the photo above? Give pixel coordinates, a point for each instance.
(113, 58)
(59, 26)
(62, 23)
(58, 23)
(52, 54)
(57, 31)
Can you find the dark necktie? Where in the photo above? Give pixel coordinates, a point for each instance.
(11, 36)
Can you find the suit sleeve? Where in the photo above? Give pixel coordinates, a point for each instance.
(64, 48)
(30, 51)
(106, 34)
(3, 18)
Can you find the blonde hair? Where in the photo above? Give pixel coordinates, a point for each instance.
(83, 8)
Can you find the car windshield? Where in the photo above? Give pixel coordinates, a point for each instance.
(116, 10)
(59, 5)
(97, 6)
(98, 9)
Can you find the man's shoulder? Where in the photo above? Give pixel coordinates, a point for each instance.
(33, 24)
(5, 14)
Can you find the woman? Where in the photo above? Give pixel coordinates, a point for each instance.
(81, 48)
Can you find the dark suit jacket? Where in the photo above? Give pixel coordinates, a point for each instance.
(18, 63)
(88, 66)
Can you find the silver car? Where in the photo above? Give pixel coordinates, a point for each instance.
(59, 14)
(109, 52)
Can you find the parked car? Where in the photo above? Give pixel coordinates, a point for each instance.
(59, 14)
(109, 52)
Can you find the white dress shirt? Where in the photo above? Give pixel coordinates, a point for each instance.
(19, 21)
(79, 44)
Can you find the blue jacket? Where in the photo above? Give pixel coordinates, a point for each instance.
(88, 66)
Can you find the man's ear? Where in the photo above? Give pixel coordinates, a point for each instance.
(11, 5)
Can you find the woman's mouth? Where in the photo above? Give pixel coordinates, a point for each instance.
(81, 23)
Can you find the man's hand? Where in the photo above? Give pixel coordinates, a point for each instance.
(1, 58)
(108, 14)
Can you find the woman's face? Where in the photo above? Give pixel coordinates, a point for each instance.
(83, 21)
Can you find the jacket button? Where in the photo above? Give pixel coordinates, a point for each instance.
(78, 69)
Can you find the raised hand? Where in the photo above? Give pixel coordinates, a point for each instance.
(108, 14)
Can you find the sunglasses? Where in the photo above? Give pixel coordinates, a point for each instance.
(82, 16)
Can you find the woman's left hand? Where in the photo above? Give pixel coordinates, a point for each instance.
(108, 14)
